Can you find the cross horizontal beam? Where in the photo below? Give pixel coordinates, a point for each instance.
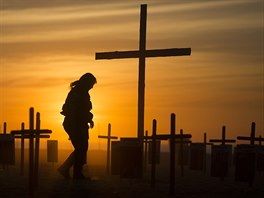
(166, 137)
(146, 53)
(216, 140)
(28, 131)
(107, 137)
(29, 136)
(250, 138)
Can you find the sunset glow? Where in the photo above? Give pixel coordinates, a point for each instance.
(45, 46)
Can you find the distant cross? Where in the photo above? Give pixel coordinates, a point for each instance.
(108, 137)
(223, 140)
(142, 54)
(252, 137)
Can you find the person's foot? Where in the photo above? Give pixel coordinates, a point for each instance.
(64, 172)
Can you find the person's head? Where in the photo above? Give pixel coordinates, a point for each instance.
(86, 82)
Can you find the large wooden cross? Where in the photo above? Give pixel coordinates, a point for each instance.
(142, 54)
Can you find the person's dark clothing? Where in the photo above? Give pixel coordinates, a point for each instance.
(77, 116)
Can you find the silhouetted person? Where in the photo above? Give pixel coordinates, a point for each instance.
(77, 121)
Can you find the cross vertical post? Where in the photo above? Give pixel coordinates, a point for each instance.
(172, 154)
(31, 151)
(153, 154)
(108, 137)
(252, 134)
(37, 149)
(223, 134)
(22, 149)
(108, 149)
(4, 127)
(181, 152)
(141, 77)
(205, 140)
(146, 151)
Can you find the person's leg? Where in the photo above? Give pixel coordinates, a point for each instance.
(64, 169)
(80, 153)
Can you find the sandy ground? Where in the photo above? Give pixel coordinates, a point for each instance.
(192, 184)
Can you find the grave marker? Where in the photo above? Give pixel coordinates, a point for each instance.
(246, 157)
(131, 158)
(142, 54)
(108, 137)
(197, 155)
(7, 148)
(157, 148)
(183, 156)
(221, 155)
(260, 157)
(52, 151)
(115, 158)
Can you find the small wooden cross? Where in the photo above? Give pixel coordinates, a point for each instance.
(32, 134)
(252, 137)
(172, 137)
(223, 140)
(142, 54)
(108, 137)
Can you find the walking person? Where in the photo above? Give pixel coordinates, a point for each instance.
(78, 119)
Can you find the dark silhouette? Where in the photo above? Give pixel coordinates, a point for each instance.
(78, 119)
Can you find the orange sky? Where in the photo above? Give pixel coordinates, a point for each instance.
(46, 45)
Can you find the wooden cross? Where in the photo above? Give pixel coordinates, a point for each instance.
(223, 140)
(142, 54)
(108, 137)
(31, 134)
(172, 137)
(252, 137)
